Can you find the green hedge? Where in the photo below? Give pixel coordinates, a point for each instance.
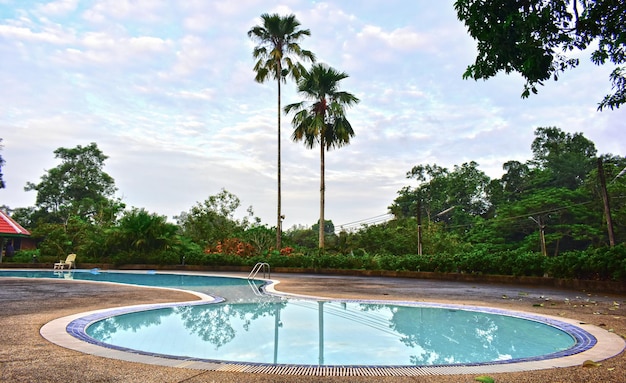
(598, 264)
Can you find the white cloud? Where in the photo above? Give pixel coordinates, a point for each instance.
(142, 11)
(402, 39)
(59, 7)
(24, 35)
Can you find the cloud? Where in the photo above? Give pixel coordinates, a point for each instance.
(24, 34)
(60, 7)
(142, 11)
(397, 40)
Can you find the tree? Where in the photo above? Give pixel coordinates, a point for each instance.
(329, 227)
(568, 158)
(464, 189)
(212, 220)
(278, 39)
(139, 231)
(532, 37)
(322, 119)
(78, 186)
(515, 180)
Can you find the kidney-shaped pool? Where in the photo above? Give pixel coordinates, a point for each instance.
(249, 328)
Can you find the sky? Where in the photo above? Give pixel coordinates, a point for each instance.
(166, 89)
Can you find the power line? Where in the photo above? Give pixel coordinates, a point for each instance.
(367, 221)
(388, 216)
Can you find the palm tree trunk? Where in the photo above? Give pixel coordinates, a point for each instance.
(279, 222)
(322, 194)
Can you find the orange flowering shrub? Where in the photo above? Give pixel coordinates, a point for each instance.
(232, 246)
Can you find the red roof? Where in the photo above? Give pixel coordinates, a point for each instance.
(9, 226)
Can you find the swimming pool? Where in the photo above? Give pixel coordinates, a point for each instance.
(270, 330)
(326, 333)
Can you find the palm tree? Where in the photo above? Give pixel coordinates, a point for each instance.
(278, 39)
(321, 118)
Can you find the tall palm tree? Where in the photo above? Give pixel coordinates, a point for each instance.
(320, 119)
(278, 38)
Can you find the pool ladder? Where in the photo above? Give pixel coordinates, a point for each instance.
(261, 266)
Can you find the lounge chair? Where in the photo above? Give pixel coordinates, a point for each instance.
(69, 262)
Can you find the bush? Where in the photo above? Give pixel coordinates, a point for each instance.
(608, 263)
(570, 265)
(23, 256)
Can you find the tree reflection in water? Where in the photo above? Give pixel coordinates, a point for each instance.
(213, 323)
(441, 336)
(105, 329)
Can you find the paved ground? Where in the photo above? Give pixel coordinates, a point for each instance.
(26, 305)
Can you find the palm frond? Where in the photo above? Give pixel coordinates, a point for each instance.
(321, 117)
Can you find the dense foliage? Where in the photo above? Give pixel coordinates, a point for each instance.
(463, 221)
(533, 38)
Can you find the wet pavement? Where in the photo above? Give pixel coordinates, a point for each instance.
(26, 305)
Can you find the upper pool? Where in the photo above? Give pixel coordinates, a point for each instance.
(246, 328)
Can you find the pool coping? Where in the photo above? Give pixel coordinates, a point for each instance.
(69, 332)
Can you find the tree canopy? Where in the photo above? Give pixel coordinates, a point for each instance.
(552, 201)
(77, 186)
(213, 219)
(534, 37)
(548, 215)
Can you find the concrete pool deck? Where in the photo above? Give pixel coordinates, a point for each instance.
(27, 305)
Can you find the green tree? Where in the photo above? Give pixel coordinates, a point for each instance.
(443, 195)
(568, 158)
(329, 227)
(78, 186)
(142, 236)
(74, 205)
(614, 170)
(556, 192)
(569, 218)
(321, 119)
(528, 36)
(278, 39)
(213, 220)
(302, 237)
(515, 179)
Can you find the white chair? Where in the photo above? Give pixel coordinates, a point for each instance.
(69, 262)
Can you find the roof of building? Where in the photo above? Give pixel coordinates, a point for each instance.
(8, 226)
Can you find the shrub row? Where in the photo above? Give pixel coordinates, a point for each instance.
(596, 264)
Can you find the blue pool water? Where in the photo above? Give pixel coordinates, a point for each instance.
(273, 330)
(229, 288)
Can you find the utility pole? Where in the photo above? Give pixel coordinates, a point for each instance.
(542, 235)
(605, 199)
(419, 225)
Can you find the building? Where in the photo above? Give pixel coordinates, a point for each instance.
(13, 236)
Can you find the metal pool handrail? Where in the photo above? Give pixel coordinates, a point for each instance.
(264, 266)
